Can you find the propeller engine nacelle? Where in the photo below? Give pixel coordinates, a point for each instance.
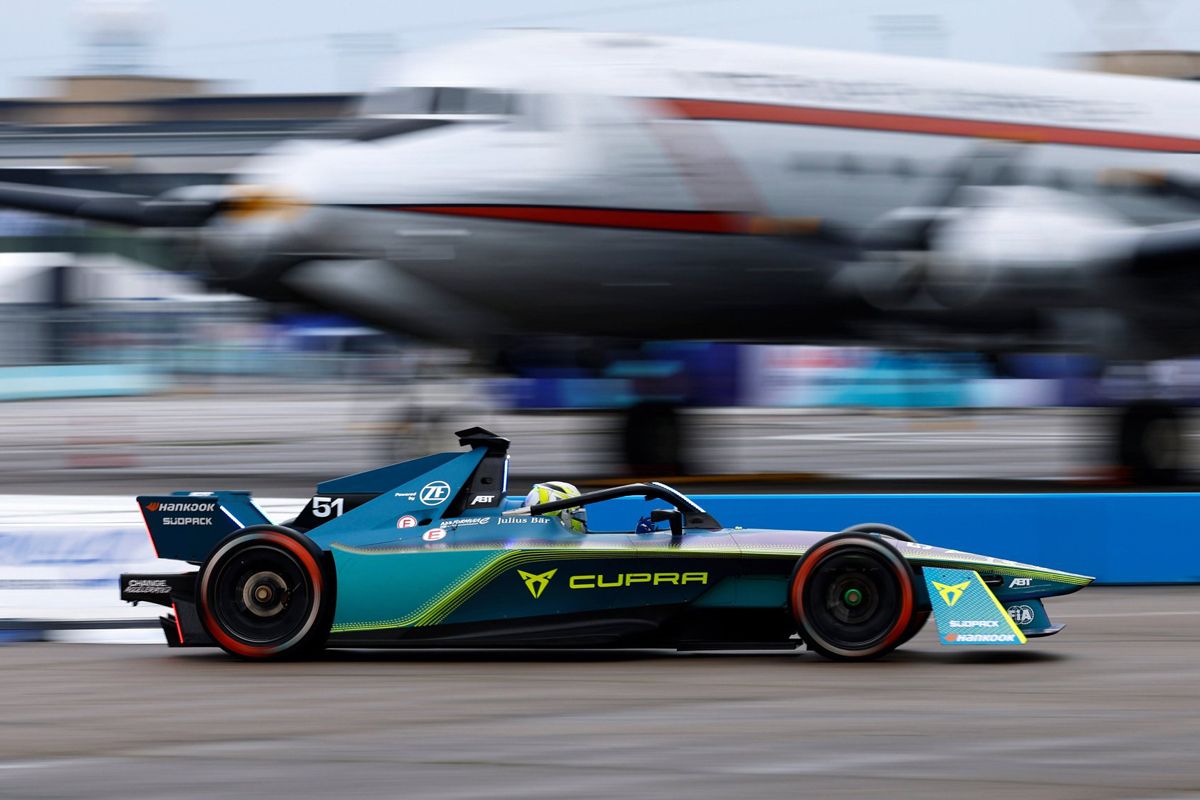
(998, 245)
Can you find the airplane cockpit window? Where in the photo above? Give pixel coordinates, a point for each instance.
(438, 101)
(402, 110)
(405, 100)
(484, 101)
(450, 101)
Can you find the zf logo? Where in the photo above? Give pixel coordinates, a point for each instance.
(435, 493)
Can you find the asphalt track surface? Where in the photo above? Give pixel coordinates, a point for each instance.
(1110, 708)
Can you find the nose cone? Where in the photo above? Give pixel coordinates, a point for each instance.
(298, 170)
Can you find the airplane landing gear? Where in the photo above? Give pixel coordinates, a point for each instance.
(653, 439)
(1150, 442)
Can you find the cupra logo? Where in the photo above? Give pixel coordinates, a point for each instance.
(536, 584)
(951, 593)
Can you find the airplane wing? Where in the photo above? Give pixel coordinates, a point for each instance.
(1167, 249)
(113, 208)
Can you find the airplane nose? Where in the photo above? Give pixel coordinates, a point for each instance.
(255, 229)
(255, 203)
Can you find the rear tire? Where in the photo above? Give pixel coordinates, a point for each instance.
(853, 598)
(266, 592)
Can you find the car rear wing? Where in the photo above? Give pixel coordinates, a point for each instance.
(186, 526)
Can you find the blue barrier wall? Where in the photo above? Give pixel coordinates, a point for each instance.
(1117, 538)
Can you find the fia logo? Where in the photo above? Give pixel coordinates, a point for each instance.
(1022, 615)
(434, 493)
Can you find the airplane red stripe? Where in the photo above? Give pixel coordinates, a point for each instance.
(640, 219)
(912, 123)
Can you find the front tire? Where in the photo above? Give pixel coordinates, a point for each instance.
(265, 592)
(892, 532)
(881, 529)
(853, 598)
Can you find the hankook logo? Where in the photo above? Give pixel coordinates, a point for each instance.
(193, 507)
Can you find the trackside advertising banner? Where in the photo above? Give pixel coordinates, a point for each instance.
(60, 556)
(966, 610)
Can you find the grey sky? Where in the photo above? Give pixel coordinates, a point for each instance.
(303, 45)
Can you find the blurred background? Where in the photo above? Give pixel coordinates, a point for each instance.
(152, 334)
(770, 247)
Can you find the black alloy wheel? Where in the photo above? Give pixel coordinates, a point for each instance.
(264, 593)
(853, 597)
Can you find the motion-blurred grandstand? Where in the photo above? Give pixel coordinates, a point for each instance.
(86, 313)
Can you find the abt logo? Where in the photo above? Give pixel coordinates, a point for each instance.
(483, 499)
(1018, 582)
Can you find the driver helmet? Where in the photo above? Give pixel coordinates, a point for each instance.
(574, 519)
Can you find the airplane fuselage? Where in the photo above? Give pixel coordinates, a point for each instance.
(659, 188)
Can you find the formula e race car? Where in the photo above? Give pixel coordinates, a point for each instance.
(432, 553)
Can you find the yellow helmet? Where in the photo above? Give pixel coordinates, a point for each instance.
(575, 519)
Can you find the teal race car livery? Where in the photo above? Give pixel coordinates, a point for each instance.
(433, 553)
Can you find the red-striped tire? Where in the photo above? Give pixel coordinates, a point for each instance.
(853, 597)
(892, 532)
(265, 592)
